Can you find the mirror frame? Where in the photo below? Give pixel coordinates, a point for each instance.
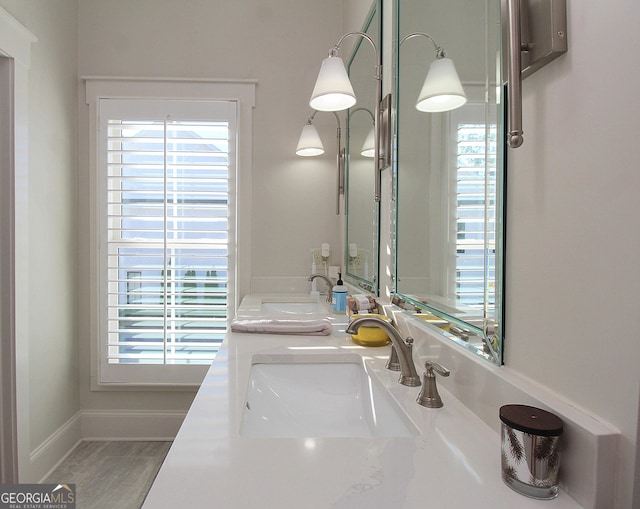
(486, 339)
(370, 285)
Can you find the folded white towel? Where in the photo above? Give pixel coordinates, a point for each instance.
(308, 327)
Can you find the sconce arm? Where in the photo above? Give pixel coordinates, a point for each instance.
(340, 165)
(364, 35)
(310, 119)
(334, 50)
(340, 158)
(376, 123)
(439, 50)
(364, 109)
(337, 120)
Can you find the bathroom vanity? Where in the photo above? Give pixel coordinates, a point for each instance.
(420, 457)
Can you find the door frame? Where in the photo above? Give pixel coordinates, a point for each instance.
(15, 58)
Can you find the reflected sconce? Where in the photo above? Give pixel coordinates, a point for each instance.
(310, 145)
(333, 92)
(536, 35)
(442, 89)
(369, 145)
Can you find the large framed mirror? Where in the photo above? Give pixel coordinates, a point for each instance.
(449, 174)
(363, 212)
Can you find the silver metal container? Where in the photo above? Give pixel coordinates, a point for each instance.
(531, 450)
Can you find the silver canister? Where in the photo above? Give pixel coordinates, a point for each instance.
(530, 450)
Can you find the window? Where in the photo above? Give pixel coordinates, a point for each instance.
(475, 178)
(165, 169)
(166, 208)
(166, 180)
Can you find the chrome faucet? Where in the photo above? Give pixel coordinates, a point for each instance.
(327, 280)
(403, 347)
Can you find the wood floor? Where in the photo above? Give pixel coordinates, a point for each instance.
(111, 474)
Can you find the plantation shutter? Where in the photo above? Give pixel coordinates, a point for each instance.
(166, 168)
(475, 227)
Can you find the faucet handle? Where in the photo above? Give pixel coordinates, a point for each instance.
(432, 366)
(429, 396)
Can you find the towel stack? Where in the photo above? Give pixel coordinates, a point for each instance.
(305, 327)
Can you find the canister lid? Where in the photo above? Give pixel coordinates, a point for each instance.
(532, 420)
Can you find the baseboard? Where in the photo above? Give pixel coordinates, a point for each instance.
(44, 458)
(130, 424)
(100, 425)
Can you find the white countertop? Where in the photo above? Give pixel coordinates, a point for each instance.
(453, 462)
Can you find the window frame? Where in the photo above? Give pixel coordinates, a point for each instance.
(243, 94)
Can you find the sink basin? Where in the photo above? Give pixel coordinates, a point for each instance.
(294, 308)
(302, 396)
(290, 306)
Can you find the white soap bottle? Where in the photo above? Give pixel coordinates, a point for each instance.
(339, 296)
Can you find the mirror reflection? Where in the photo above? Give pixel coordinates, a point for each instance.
(361, 247)
(449, 173)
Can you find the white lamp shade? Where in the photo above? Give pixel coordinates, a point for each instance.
(333, 90)
(369, 145)
(309, 143)
(442, 90)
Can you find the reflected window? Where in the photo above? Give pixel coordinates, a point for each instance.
(474, 207)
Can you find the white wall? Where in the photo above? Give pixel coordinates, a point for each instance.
(50, 374)
(573, 247)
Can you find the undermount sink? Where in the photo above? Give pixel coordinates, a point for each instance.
(292, 396)
(290, 306)
(286, 307)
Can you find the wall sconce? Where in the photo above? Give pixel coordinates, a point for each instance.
(333, 92)
(310, 145)
(442, 89)
(369, 145)
(537, 34)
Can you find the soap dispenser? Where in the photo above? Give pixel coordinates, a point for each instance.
(339, 296)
